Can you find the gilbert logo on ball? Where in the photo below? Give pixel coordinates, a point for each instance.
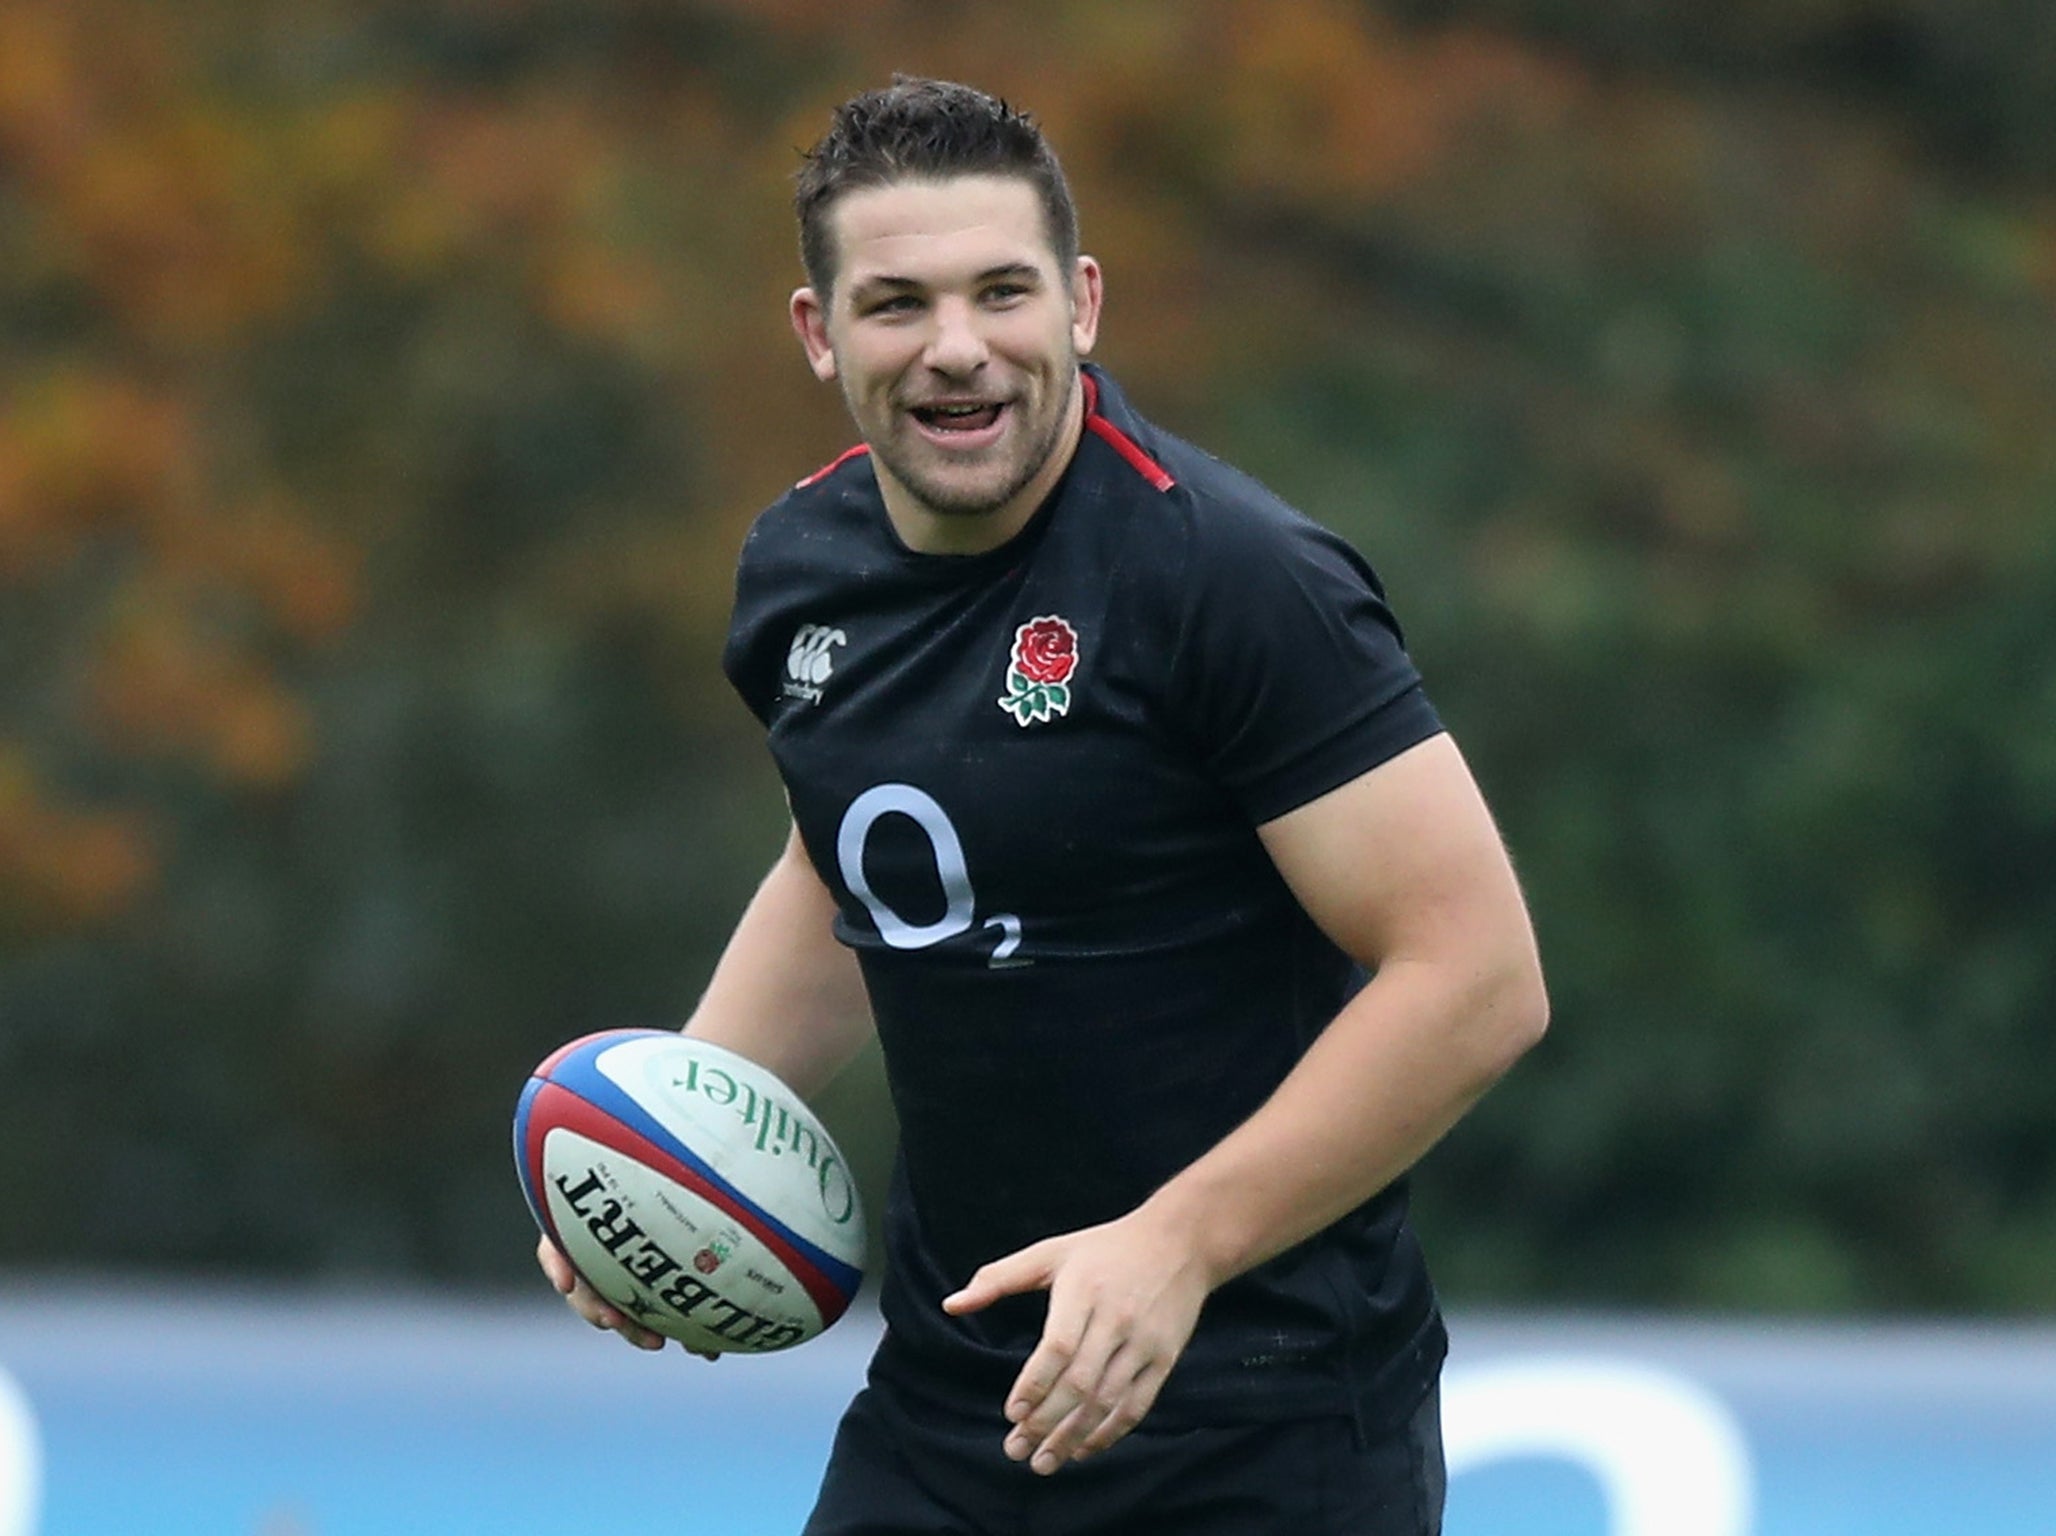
(691, 1188)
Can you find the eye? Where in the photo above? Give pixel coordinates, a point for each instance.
(1006, 293)
(894, 304)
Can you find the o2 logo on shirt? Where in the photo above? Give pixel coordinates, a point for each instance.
(961, 910)
(810, 661)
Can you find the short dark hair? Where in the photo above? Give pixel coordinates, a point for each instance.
(924, 130)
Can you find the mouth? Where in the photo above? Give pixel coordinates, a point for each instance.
(966, 423)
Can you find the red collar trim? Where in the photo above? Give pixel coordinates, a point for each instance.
(833, 465)
(1126, 446)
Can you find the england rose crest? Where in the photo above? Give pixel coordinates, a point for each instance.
(713, 1256)
(1039, 673)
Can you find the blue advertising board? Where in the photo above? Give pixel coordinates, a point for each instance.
(266, 1414)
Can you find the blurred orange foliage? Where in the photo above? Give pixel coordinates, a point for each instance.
(61, 867)
(285, 279)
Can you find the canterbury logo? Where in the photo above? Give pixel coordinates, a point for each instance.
(811, 661)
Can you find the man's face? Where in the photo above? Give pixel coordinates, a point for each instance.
(955, 337)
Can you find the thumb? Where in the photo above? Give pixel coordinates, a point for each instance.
(1029, 1269)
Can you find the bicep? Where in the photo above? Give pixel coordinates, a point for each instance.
(1404, 862)
(786, 992)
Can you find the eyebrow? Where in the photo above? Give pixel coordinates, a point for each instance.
(890, 281)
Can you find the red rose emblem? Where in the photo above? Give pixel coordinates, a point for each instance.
(1039, 672)
(1045, 650)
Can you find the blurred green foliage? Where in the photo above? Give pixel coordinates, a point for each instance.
(384, 390)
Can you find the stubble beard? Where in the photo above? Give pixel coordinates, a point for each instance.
(946, 501)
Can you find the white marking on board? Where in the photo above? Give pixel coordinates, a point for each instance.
(21, 1461)
(1668, 1455)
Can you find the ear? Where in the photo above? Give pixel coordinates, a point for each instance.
(810, 324)
(1087, 290)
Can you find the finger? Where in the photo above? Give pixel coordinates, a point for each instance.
(1097, 1387)
(639, 1336)
(1030, 1269)
(1070, 1406)
(609, 1319)
(1080, 1383)
(587, 1302)
(570, 1284)
(1055, 1450)
(602, 1313)
(1062, 1333)
(555, 1266)
(1133, 1407)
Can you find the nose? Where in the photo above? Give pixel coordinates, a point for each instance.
(956, 346)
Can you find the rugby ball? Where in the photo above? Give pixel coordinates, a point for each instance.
(691, 1188)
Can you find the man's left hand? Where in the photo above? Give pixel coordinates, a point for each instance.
(1123, 1299)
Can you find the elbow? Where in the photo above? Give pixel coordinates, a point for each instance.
(1534, 1010)
(1518, 1008)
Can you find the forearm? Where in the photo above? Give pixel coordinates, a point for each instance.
(786, 993)
(1390, 1075)
(1393, 1071)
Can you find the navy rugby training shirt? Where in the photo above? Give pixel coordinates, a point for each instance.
(1032, 779)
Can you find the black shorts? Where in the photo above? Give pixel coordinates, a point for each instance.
(903, 1468)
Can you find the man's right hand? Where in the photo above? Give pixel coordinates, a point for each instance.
(589, 1303)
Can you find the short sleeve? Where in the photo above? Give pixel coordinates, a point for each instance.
(1290, 675)
(750, 658)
